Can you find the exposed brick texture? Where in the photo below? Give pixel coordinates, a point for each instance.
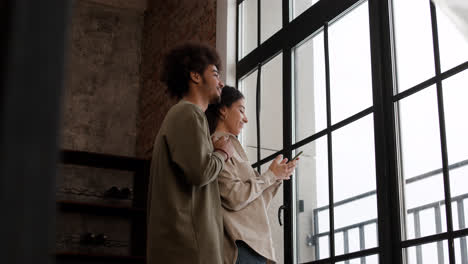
(114, 102)
(102, 90)
(100, 111)
(138, 5)
(166, 24)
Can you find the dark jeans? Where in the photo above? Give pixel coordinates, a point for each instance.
(246, 255)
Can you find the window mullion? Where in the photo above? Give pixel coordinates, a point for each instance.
(443, 135)
(257, 113)
(385, 133)
(329, 142)
(288, 192)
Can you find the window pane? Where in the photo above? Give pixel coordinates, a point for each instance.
(370, 235)
(420, 138)
(248, 86)
(436, 252)
(299, 6)
(248, 35)
(324, 246)
(354, 159)
(455, 98)
(421, 164)
(310, 94)
(424, 211)
(271, 18)
(312, 198)
(461, 249)
(271, 108)
(350, 64)
(354, 180)
(413, 40)
(453, 46)
(339, 243)
(374, 259)
(455, 90)
(459, 208)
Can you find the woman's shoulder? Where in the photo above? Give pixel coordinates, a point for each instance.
(240, 153)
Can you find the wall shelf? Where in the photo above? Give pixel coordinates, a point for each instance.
(99, 257)
(101, 209)
(136, 211)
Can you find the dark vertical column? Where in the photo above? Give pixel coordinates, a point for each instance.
(288, 198)
(31, 85)
(329, 144)
(140, 196)
(257, 114)
(385, 132)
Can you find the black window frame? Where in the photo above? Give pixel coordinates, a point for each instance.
(384, 110)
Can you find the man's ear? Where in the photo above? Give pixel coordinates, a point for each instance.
(195, 77)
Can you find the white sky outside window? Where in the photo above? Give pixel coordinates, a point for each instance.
(453, 46)
(458, 251)
(248, 30)
(271, 18)
(248, 87)
(350, 64)
(429, 253)
(299, 6)
(271, 110)
(374, 259)
(413, 39)
(419, 120)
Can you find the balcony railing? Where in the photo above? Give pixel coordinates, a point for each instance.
(458, 203)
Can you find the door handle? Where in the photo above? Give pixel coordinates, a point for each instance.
(281, 208)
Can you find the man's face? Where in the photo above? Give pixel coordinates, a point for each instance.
(211, 85)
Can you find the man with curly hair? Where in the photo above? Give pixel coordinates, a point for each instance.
(184, 207)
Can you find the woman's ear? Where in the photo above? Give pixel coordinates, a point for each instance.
(195, 77)
(223, 111)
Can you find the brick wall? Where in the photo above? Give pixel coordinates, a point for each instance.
(100, 112)
(102, 90)
(166, 24)
(114, 102)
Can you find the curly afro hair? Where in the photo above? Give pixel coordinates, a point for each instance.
(183, 59)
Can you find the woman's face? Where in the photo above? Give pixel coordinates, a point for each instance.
(234, 117)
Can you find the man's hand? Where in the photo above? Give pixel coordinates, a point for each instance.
(281, 168)
(223, 145)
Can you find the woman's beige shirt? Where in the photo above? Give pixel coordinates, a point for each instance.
(245, 197)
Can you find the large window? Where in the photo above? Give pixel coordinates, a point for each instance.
(374, 93)
(432, 83)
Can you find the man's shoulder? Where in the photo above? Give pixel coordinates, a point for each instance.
(184, 113)
(184, 108)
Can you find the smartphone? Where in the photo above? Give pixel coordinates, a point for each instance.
(297, 155)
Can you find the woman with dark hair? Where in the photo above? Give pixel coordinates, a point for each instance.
(245, 194)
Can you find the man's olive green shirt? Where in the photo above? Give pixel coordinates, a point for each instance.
(184, 209)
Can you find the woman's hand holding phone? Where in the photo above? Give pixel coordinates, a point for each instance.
(282, 168)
